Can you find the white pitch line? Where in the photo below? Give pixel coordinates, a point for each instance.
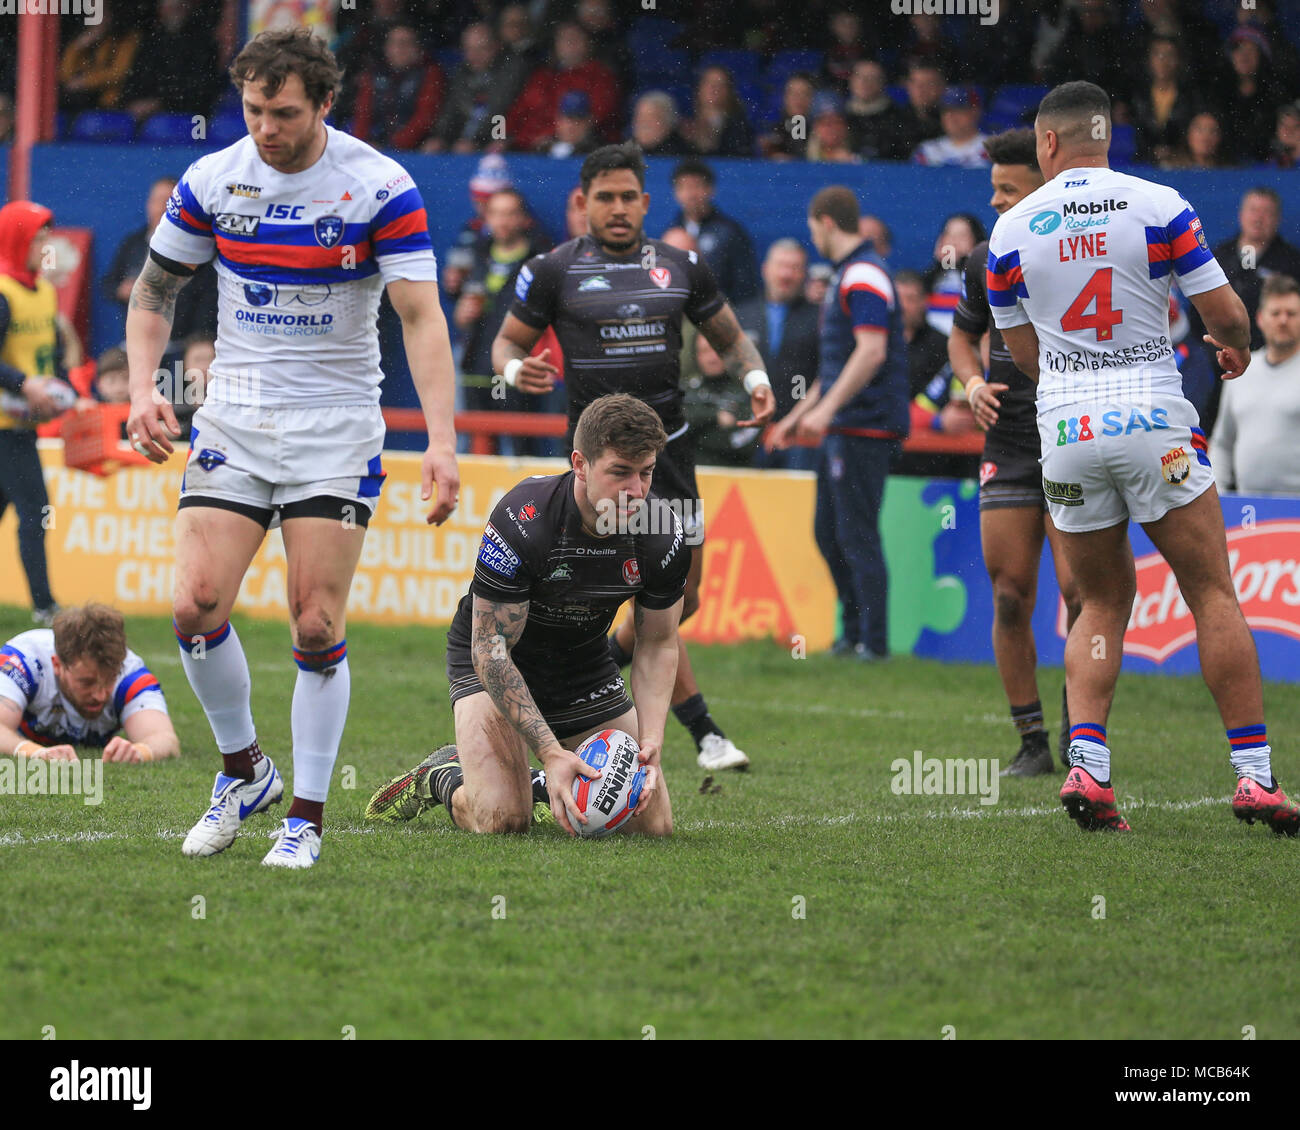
(17, 839)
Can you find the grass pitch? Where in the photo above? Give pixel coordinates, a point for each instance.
(918, 911)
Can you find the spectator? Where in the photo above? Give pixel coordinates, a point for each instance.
(943, 280)
(196, 303)
(1261, 15)
(719, 127)
(875, 229)
(113, 377)
(962, 143)
(876, 123)
(1093, 45)
(848, 46)
(927, 348)
(571, 68)
(1176, 20)
(1253, 449)
(485, 299)
(1248, 97)
(788, 139)
(1202, 149)
(174, 70)
(607, 39)
(925, 42)
(830, 132)
(360, 45)
(819, 281)
(397, 104)
(94, 67)
(1256, 252)
(574, 129)
(1286, 141)
(518, 37)
(654, 126)
(920, 117)
(725, 245)
(480, 92)
(196, 363)
(783, 327)
(714, 402)
(1162, 107)
(492, 175)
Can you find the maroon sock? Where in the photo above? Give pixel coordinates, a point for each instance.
(310, 810)
(242, 763)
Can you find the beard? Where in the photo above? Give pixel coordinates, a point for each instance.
(634, 239)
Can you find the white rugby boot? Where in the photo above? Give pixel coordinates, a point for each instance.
(234, 800)
(717, 752)
(297, 844)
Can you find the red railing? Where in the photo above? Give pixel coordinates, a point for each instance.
(483, 428)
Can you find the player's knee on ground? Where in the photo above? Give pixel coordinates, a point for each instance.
(193, 607)
(499, 820)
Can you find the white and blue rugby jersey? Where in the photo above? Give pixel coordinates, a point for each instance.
(301, 259)
(27, 678)
(1089, 259)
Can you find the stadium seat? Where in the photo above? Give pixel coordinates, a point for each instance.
(167, 129)
(1123, 144)
(662, 63)
(791, 61)
(62, 123)
(745, 66)
(1017, 100)
(898, 93)
(103, 125)
(448, 58)
(226, 128)
(652, 32)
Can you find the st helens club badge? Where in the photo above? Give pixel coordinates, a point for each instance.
(632, 571)
(661, 276)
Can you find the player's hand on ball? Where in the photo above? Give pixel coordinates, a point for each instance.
(55, 753)
(536, 374)
(562, 769)
(985, 402)
(439, 467)
(1232, 361)
(152, 426)
(648, 756)
(762, 405)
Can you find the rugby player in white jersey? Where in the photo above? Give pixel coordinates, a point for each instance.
(1078, 280)
(308, 225)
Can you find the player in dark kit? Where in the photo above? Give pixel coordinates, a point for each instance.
(1013, 512)
(528, 659)
(616, 300)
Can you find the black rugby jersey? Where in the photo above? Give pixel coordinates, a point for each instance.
(535, 549)
(618, 319)
(1018, 413)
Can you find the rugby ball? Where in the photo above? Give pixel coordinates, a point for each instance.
(607, 801)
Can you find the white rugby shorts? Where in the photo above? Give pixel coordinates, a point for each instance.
(269, 457)
(1106, 463)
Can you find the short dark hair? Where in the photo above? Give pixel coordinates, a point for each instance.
(694, 167)
(620, 423)
(1277, 286)
(271, 57)
(92, 631)
(1266, 191)
(839, 204)
(1077, 100)
(1014, 147)
(111, 360)
(512, 191)
(608, 158)
(906, 276)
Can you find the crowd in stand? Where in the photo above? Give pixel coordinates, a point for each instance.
(818, 80)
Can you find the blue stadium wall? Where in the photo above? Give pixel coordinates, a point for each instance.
(103, 187)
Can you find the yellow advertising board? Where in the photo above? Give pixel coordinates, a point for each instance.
(110, 539)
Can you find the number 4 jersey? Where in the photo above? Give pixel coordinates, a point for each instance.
(1089, 259)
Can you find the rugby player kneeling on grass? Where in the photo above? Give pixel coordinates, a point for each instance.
(528, 664)
(78, 684)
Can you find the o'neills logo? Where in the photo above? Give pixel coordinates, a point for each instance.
(1265, 565)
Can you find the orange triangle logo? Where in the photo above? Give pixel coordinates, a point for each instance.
(739, 596)
(346, 196)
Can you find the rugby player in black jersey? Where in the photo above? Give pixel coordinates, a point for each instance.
(528, 658)
(616, 300)
(1013, 512)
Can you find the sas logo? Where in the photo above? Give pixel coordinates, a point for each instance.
(527, 512)
(632, 571)
(208, 458)
(1175, 466)
(251, 191)
(1045, 223)
(1063, 494)
(1077, 429)
(328, 230)
(233, 223)
(661, 277)
(596, 282)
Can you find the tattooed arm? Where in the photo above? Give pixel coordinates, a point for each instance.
(740, 356)
(148, 329)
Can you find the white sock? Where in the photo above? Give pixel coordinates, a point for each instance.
(320, 710)
(1091, 757)
(218, 673)
(1256, 763)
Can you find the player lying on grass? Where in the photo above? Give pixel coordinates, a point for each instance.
(528, 663)
(78, 684)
